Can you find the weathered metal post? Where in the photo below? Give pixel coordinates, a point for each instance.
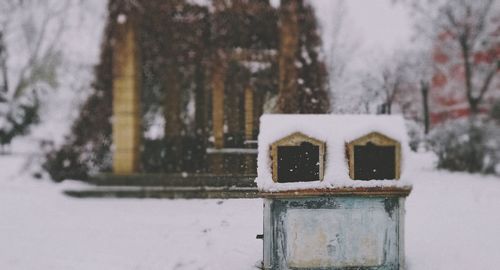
(333, 192)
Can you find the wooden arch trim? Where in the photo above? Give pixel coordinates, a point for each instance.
(295, 139)
(378, 139)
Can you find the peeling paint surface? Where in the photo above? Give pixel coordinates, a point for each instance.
(335, 237)
(348, 232)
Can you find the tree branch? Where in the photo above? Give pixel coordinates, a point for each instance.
(486, 84)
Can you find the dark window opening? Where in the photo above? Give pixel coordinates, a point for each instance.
(373, 162)
(298, 163)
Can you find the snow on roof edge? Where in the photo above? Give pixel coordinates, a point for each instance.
(335, 131)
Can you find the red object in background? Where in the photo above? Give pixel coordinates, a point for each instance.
(440, 57)
(441, 117)
(444, 36)
(447, 96)
(481, 57)
(439, 80)
(457, 72)
(448, 101)
(437, 118)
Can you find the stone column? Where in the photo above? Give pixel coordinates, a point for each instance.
(249, 113)
(218, 79)
(126, 100)
(250, 161)
(288, 50)
(217, 85)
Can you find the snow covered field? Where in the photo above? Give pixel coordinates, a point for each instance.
(453, 222)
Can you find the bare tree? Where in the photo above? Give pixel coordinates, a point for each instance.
(30, 56)
(464, 42)
(388, 81)
(4, 87)
(420, 69)
(466, 39)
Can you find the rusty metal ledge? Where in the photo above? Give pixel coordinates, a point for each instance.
(163, 192)
(355, 191)
(172, 180)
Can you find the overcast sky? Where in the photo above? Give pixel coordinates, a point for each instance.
(379, 26)
(378, 23)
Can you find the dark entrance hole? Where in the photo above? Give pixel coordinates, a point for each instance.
(373, 162)
(298, 163)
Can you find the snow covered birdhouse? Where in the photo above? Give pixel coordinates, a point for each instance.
(374, 157)
(298, 152)
(297, 158)
(317, 212)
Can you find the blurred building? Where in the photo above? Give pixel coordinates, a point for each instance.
(181, 86)
(448, 98)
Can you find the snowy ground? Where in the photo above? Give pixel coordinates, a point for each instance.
(453, 222)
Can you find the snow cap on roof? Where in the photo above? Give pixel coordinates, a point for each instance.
(336, 131)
